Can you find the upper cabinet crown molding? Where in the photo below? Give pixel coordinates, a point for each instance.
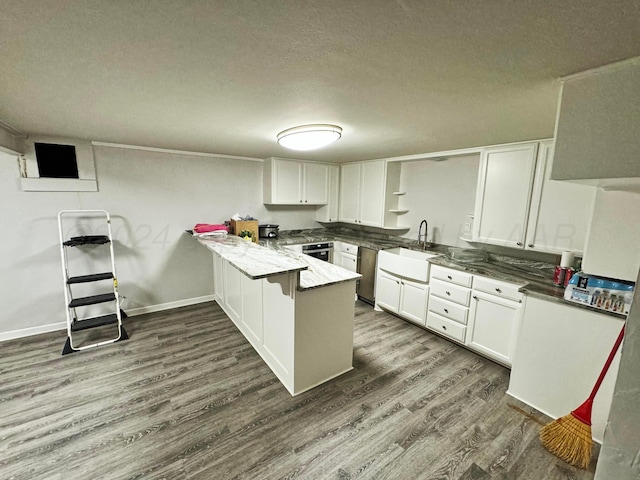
(597, 134)
(295, 182)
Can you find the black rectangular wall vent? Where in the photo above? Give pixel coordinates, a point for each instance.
(56, 161)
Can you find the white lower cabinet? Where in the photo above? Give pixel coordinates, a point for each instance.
(446, 327)
(305, 337)
(449, 302)
(403, 297)
(218, 278)
(481, 313)
(413, 301)
(233, 292)
(349, 261)
(493, 324)
(388, 291)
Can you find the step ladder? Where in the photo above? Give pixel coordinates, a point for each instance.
(86, 244)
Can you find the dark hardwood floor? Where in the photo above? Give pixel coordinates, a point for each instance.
(188, 397)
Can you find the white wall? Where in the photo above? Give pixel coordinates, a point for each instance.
(152, 197)
(443, 193)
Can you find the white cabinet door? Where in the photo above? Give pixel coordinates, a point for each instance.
(218, 278)
(413, 302)
(252, 324)
(315, 183)
(493, 324)
(349, 262)
(287, 175)
(349, 192)
(503, 195)
(560, 211)
(294, 182)
(372, 193)
(329, 212)
(362, 189)
(388, 292)
(233, 291)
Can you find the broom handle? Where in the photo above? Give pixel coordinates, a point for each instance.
(607, 365)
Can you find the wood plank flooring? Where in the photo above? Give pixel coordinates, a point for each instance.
(188, 397)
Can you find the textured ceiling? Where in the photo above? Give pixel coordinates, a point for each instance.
(401, 77)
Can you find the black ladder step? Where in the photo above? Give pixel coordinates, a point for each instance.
(90, 278)
(86, 240)
(92, 300)
(87, 323)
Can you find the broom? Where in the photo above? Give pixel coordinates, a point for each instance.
(569, 437)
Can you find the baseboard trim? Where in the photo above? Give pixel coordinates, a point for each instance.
(53, 327)
(132, 312)
(27, 332)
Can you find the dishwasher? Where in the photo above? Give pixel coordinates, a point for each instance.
(366, 266)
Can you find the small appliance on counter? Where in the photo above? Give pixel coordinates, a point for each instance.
(600, 292)
(268, 230)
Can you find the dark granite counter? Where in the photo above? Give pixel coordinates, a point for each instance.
(536, 277)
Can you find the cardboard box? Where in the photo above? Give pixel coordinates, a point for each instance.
(251, 225)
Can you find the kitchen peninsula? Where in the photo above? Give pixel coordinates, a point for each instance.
(296, 311)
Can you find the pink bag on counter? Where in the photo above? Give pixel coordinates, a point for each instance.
(208, 227)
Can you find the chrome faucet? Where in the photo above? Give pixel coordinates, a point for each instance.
(423, 238)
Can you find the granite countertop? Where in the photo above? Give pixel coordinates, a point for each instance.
(535, 277)
(257, 261)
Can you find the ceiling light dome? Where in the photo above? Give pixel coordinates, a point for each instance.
(309, 137)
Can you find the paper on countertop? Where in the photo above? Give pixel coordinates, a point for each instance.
(215, 233)
(566, 259)
(239, 218)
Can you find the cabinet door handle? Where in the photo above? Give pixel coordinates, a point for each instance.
(446, 310)
(475, 297)
(300, 201)
(306, 201)
(449, 277)
(498, 290)
(397, 282)
(530, 245)
(444, 327)
(447, 292)
(519, 244)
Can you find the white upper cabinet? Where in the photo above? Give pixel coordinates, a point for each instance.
(293, 182)
(519, 206)
(362, 193)
(372, 193)
(329, 212)
(504, 194)
(349, 193)
(560, 211)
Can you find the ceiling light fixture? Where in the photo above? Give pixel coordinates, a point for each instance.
(309, 137)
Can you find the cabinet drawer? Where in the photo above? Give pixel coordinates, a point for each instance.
(453, 276)
(498, 288)
(348, 248)
(446, 327)
(450, 292)
(450, 310)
